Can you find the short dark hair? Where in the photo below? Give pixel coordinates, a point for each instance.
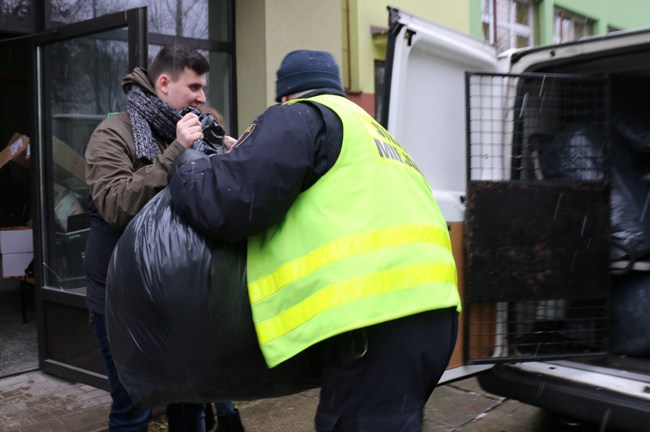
(173, 59)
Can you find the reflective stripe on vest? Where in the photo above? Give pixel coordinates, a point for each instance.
(365, 244)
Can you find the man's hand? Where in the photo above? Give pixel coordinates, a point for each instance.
(188, 130)
(229, 142)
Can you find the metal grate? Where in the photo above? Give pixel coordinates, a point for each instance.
(537, 127)
(537, 216)
(547, 329)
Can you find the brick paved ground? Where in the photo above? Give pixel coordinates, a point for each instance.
(36, 402)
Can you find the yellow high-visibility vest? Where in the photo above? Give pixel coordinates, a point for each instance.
(365, 244)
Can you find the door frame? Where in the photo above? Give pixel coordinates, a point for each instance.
(135, 22)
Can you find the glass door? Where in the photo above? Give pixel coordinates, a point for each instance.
(77, 74)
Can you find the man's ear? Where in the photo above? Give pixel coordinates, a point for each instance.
(162, 83)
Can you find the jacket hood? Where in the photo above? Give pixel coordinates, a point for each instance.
(138, 77)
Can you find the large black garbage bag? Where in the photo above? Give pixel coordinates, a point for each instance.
(630, 215)
(630, 110)
(635, 131)
(630, 303)
(179, 320)
(575, 153)
(629, 240)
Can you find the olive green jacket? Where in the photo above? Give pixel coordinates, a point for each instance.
(120, 184)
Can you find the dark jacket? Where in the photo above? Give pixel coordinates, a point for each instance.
(244, 192)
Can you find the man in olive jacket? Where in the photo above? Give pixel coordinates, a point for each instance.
(127, 160)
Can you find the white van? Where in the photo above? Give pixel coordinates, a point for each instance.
(540, 161)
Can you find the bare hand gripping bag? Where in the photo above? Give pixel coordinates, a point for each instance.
(179, 320)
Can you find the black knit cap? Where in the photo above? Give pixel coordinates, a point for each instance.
(304, 70)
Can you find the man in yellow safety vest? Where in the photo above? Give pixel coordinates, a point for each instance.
(348, 251)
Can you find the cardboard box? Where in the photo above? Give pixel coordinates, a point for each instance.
(66, 204)
(24, 158)
(14, 264)
(69, 160)
(17, 150)
(16, 240)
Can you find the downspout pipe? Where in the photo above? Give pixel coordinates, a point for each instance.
(348, 44)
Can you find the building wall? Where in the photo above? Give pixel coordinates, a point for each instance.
(266, 30)
(621, 14)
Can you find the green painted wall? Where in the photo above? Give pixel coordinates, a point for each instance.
(622, 14)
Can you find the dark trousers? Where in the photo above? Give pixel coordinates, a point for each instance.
(124, 415)
(379, 378)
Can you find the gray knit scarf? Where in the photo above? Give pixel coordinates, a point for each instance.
(149, 113)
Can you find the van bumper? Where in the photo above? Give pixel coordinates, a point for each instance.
(587, 403)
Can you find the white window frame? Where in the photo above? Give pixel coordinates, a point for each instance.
(567, 23)
(504, 21)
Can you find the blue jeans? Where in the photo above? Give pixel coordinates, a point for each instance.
(186, 417)
(224, 408)
(124, 415)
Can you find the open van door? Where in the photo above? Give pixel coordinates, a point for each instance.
(528, 215)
